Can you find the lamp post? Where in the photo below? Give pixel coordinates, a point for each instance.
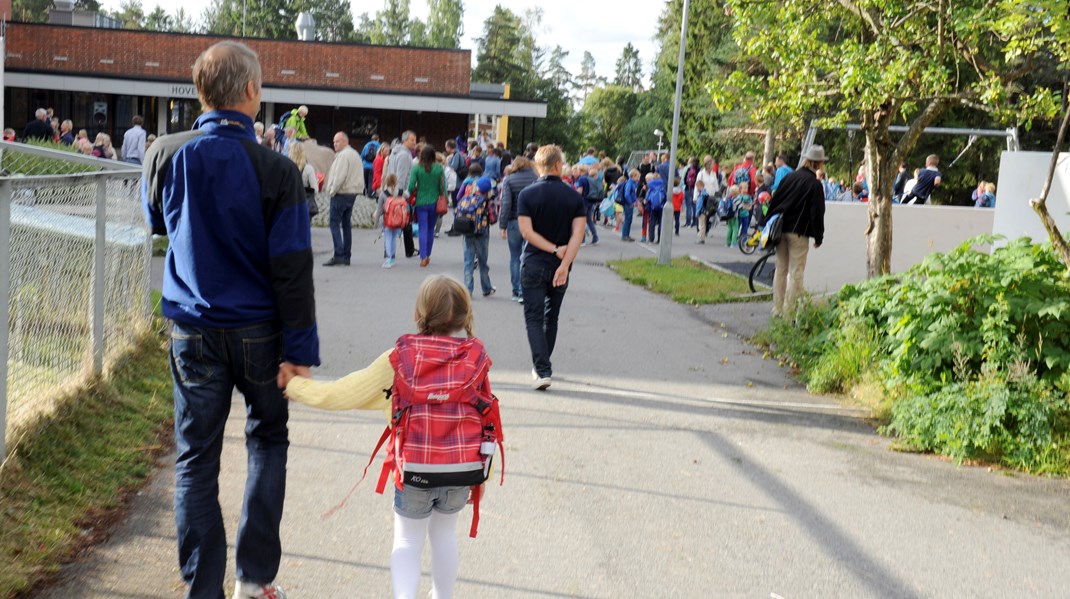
(306, 27)
(659, 133)
(665, 251)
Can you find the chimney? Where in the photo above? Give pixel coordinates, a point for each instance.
(306, 27)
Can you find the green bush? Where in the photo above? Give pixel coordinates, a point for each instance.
(971, 348)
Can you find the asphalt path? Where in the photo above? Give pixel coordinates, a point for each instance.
(668, 459)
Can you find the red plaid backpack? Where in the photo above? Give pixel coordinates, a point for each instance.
(445, 424)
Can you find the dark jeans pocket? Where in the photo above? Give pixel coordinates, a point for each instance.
(187, 353)
(531, 276)
(262, 358)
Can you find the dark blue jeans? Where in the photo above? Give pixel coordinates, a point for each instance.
(629, 213)
(426, 217)
(542, 306)
(342, 225)
(475, 250)
(207, 365)
(654, 225)
(516, 248)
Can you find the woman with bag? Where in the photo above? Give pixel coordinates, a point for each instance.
(308, 177)
(427, 188)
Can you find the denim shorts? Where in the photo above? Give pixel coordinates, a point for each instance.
(417, 504)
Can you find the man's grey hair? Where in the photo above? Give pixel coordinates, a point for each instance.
(41, 113)
(406, 135)
(222, 72)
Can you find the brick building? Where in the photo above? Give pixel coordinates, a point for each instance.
(100, 78)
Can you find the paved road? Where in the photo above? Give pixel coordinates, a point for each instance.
(668, 459)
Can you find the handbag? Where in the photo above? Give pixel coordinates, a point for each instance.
(442, 206)
(313, 207)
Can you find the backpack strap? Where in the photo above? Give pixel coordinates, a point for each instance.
(382, 478)
(477, 492)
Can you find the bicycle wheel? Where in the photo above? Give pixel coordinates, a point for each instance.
(762, 272)
(748, 244)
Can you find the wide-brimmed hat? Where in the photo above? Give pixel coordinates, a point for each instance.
(815, 153)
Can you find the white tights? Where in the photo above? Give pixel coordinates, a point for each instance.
(409, 535)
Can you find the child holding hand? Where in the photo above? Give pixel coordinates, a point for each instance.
(433, 378)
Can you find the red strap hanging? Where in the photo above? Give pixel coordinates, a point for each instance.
(477, 491)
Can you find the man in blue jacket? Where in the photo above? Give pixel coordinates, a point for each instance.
(238, 289)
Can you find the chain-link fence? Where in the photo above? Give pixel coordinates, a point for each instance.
(74, 275)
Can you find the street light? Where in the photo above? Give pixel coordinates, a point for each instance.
(665, 251)
(306, 27)
(659, 133)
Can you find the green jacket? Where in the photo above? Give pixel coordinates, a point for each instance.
(428, 186)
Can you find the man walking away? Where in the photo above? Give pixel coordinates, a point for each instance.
(800, 202)
(551, 219)
(344, 182)
(134, 143)
(238, 289)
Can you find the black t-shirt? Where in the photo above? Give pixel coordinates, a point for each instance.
(552, 206)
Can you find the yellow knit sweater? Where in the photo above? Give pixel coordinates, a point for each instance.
(361, 390)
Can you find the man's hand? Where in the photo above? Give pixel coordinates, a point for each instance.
(505, 234)
(561, 275)
(288, 371)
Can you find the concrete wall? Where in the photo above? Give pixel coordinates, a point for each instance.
(1021, 177)
(917, 232)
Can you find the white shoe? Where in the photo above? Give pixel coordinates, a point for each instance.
(541, 384)
(250, 590)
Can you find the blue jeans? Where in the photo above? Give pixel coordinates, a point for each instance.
(542, 306)
(516, 248)
(629, 214)
(592, 220)
(426, 217)
(207, 365)
(476, 248)
(342, 225)
(390, 241)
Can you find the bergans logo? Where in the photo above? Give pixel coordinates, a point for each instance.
(438, 396)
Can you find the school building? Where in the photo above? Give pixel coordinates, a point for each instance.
(101, 77)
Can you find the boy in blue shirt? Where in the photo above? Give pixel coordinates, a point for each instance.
(655, 202)
(629, 197)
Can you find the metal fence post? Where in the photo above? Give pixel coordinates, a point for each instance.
(5, 305)
(99, 275)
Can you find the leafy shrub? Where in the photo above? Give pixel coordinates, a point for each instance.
(971, 348)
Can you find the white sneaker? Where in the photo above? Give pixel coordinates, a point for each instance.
(250, 590)
(541, 384)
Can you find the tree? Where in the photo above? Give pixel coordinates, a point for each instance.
(497, 60)
(182, 21)
(894, 61)
(445, 23)
(392, 26)
(629, 69)
(588, 77)
(560, 76)
(130, 14)
(608, 110)
(158, 20)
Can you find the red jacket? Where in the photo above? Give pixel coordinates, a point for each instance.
(749, 164)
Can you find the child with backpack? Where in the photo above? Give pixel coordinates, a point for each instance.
(394, 209)
(472, 220)
(655, 202)
(439, 395)
(726, 210)
(677, 204)
(745, 206)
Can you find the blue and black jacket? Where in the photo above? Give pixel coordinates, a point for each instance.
(237, 220)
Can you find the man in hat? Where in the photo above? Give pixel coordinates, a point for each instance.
(800, 202)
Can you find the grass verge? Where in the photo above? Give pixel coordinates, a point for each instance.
(69, 477)
(685, 281)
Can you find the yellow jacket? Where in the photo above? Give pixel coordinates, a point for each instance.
(361, 390)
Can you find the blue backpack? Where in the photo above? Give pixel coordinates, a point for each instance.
(469, 218)
(726, 209)
(741, 175)
(655, 197)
